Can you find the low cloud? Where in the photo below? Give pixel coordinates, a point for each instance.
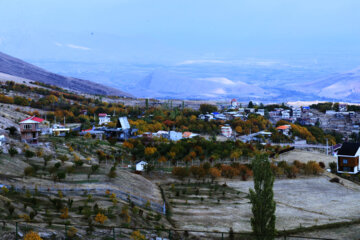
(72, 46)
(58, 44)
(221, 80)
(188, 62)
(78, 47)
(219, 91)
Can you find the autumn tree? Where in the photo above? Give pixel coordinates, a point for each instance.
(262, 200)
(32, 236)
(100, 218)
(180, 172)
(214, 173)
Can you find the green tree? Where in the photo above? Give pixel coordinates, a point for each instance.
(13, 151)
(207, 108)
(29, 154)
(262, 199)
(250, 105)
(12, 130)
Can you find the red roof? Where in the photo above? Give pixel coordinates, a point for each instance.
(36, 119)
(283, 127)
(87, 130)
(233, 100)
(102, 114)
(186, 134)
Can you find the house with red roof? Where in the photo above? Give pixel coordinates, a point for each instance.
(234, 103)
(30, 130)
(284, 129)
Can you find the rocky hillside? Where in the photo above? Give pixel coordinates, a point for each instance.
(18, 68)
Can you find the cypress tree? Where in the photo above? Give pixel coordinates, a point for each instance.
(262, 199)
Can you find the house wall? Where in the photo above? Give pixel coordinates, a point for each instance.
(29, 131)
(352, 162)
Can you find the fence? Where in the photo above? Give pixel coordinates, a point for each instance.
(17, 230)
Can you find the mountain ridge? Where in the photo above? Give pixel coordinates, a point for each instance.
(16, 67)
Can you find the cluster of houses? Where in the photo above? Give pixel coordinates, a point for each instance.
(170, 135)
(33, 127)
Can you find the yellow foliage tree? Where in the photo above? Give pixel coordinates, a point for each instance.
(32, 236)
(150, 150)
(162, 159)
(136, 235)
(64, 213)
(100, 218)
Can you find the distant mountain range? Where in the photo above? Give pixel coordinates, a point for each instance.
(169, 84)
(341, 86)
(202, 80)
(13, 68)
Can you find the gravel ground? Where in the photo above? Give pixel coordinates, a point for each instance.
(300, 202)
(305, 156)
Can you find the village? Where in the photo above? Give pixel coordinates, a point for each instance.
(154, 166)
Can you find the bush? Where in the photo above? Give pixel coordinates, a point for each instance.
(322, 165)
(312, 167)
(180, 172)
(333, 167)
(32, 236)
(335, 180)
(29, 171)
(13, 151)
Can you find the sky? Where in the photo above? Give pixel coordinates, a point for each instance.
(180, 31)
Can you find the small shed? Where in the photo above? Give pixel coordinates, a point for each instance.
(140, 166)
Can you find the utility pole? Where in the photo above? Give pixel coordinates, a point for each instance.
(327, 149)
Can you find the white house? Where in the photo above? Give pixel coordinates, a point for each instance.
(140, 166)
(261, 111)
(285, 114)
(296, 112)
(2, 139)
(104, 118)
(175, 136)
(59, 130)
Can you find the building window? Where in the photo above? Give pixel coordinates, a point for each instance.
(345, 161)
(27, 126)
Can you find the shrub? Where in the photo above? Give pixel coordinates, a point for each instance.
(32, 236)
(312, 167)
(333, 167)
(64, 213)
(228, 171)
(29, 154)
(71, 232)
(4, 190)
(322, 165)
(100, 218)
(13, 151)
(245, 172)
(299, 164)
(180, 172)
(277, 171)
(29, 171)
(335, 180)
(136, 235)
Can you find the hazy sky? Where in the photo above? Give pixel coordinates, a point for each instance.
(174, 31)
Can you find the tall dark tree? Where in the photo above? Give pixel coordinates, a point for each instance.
(207, 108)
(250, 105)
(262, 199)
